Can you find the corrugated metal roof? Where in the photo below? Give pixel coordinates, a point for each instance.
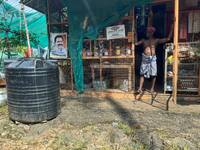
(39, 5)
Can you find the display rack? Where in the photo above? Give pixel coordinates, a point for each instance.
(102, 66)
(188, 68)
(90, 60)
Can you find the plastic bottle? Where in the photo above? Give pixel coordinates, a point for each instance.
(96, 52)
(105, 52)
(117, 51)
(84, 52)
(122, 51)
(100, 52)
(128, 50)
(88, 53)
(110, 52)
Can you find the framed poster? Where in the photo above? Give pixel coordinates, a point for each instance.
(115, 32)
(58, 45)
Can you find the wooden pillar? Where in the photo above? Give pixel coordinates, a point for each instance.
(175, 51)
(90, 48)
(110, 44)
(48, 26)
(49, 21)
(133, 48)
(100, 75)
(199, 76)
(72, 76)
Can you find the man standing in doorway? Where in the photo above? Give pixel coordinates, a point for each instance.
(148, 65)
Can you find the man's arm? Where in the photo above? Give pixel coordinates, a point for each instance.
(164, 40)
(136, 39)
(140, 42)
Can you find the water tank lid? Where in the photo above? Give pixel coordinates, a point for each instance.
(32, 62)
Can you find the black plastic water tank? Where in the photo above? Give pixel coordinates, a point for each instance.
(33, 90)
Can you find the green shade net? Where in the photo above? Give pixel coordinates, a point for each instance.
(100, 13)
(4, 55)
(36, 22)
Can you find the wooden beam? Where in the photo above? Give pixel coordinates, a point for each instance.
(160, 1)
(188, 11)
(106, 38)
(199, 77)
(49, 22)
(133, 48)
(104, 94)
(72, 77)
(175, 51)
(125, 95)
(100, 74)
(59, 23)
(110, 44)
(90, 48)
(106, 57)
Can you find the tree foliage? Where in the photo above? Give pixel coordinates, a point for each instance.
(17, 38)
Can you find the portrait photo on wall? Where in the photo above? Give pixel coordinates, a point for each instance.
(58, 44)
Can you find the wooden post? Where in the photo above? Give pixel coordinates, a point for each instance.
(7, 41)
(100, 75)
(47, 30)
(175, 51)
(49, 21)
(29, 47)
(133, 49)
(72, 76)
(199, 76)
(93, 76)
(49, 26)
(90, 48)
(110, 44)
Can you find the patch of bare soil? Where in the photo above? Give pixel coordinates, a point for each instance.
(92, 123)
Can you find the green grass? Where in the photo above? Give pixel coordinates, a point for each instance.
(4, 109)
(163, 134)
(194, 113)
(91, 123)
(105, 147)
(126, 129)
(175, 147)
(58, 144)
(79, 145)
(112, 137)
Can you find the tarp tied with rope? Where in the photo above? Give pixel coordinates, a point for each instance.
(85, 18)
(14, 20)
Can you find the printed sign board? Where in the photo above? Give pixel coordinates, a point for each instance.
(115, 32)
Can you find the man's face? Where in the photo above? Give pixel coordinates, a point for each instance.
(149, 33)
(59, 43)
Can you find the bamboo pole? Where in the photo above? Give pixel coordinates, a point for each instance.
(29, 47)
(175, 51)
(133, 48)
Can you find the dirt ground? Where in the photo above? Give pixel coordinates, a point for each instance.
(93, 123)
